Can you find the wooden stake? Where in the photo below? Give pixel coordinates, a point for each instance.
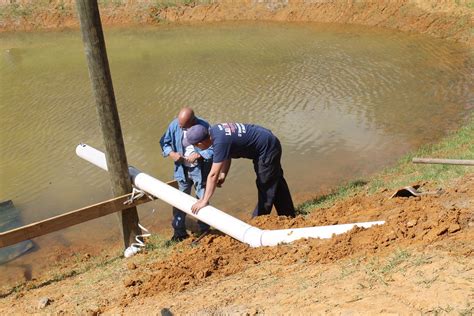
(99, 73)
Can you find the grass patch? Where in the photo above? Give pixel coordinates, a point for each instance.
(468, 4)
(16, 11)
(395, 260)
(469, 310)
(440, 310)
(457, 145)
(31, 9)
(28, 10)
(157, 247)
(379, 271)
(427, 282)
(329, 199)
(60, 275)
(350, 267)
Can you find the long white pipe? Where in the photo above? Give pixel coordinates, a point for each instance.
(253, 236)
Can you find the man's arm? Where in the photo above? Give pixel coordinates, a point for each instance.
(210, 187)
(206, 153)
(166, 143)
(224, 172)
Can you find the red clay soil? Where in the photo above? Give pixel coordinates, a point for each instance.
(445, 19)
(417, 222)
(344, 274)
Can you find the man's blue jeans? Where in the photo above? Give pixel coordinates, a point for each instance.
(193, 177)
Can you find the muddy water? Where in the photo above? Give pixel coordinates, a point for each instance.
(345, 101)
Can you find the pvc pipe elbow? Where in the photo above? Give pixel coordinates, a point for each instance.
(252, 236)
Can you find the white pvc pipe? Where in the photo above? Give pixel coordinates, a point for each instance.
(253, 236)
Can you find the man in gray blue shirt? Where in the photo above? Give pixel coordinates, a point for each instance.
(191, 165)
(237, 140)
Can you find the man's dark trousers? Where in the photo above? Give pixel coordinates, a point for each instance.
(272, 186)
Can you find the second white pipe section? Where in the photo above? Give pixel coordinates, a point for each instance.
(253, 236)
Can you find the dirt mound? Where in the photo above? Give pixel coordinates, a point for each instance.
(416, 221)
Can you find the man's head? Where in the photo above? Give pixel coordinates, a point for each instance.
(198, 135)
(186, 118)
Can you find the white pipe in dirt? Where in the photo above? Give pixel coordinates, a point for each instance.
(253, 236)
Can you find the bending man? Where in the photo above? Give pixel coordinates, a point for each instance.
(237, 140)
(191, 167)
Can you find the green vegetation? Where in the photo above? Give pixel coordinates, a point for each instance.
(33, 11)
(157, 247)
(381, 272)
(15, 10)
(467, 3)
(329, 199)
(458, 145)
(176, 3)
(154, 7)
(58, 275)
(26, 11)
(395, 260)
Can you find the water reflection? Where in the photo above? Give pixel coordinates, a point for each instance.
(12, 57)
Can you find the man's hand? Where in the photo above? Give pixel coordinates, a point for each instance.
(193, 157)
(198, 205)
(176, 157)
(221, 179)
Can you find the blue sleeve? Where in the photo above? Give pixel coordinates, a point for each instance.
(222, 151)
(166, 141)
(206, 154)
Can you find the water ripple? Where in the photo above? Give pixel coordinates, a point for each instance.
(338, 99)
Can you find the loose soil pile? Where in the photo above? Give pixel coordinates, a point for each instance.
(414, 221)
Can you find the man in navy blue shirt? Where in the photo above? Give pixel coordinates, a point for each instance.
(237, 140)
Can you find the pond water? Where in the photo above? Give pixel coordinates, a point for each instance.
(345, 101)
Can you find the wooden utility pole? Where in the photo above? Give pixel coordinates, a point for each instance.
(99, 73)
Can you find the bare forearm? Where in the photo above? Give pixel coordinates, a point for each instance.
(226, 166)
(210, 186)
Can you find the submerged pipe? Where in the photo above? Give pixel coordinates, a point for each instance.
(253, 236)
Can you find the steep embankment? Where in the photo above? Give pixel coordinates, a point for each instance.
(445, 19)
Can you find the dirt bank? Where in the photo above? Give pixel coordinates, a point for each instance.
(445, 19)
(419, 221)
(425, 247)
